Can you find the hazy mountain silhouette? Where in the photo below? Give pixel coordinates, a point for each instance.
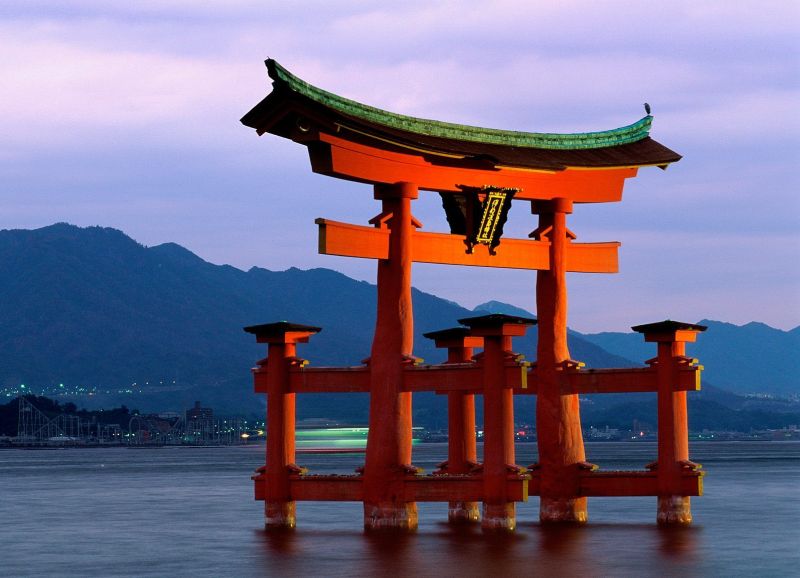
(92, 307)
(751, 358)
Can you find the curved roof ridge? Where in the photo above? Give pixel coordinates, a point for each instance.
(434, 128)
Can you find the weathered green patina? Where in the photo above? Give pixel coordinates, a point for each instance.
(554, 141)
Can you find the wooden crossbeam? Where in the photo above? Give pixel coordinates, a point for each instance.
(637, 484)
(323, 488)
(460, 488)
(347, 240)
(329, 379)
(444, 378)
(467, 377)
(337, 488)
(343, 158)
(631, 380)
(626, 483)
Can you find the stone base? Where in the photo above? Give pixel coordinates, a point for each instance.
(563, 510)
(674, 510)
(499, 517)
(280, 515)
(391, 516)
(463, 512)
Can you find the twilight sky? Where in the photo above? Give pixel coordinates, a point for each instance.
(126, 114)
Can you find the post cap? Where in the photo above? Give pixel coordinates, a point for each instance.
(454, 337)
(669, 331)
(282, 332)
(496, 320)
(451, 333)
(666, 326)
(498, 324)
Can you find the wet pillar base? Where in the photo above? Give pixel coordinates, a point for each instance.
(280, 515)
(563, 510)
(499, 517)
(674, 510)
(390, 516)
(463, 512)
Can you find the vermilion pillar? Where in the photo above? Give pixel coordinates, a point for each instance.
(388, 458)
(558, 421)
(499, 460)
(462, 452)
(673, 422)
(282, 337)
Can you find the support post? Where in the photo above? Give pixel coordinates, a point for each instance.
(388, 458)
(282, 337)
(673, 424)
(462, 451)
(499, 459)
(558, 421)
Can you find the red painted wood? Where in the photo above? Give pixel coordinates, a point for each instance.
(558, 422)
(461, 377)
(279, 509)
(498, 435)
(347, 240)
(340, 158)
(389, 439)
(329, 379)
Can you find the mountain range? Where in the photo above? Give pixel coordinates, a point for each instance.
(92, 308)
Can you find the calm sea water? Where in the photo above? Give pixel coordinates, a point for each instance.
(190, 512)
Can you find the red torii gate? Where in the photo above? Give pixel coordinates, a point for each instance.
(477, 172)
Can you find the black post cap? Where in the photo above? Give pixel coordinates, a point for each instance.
(280, 328)
(667, 326)
(495, 320)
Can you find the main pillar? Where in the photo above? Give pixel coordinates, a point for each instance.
(558, 421)
(388, 459)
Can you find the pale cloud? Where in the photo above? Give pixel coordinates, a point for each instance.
(133, 109)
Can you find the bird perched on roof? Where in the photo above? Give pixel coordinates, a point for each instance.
(647, 108)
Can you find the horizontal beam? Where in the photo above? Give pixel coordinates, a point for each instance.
(632, 380)
(468, 488)
(321, 488)
(329, 379)
(449, 377)
(444, 248)
(622, 483)
(337, 157)
(347, 240)
(332, 488)
(468, 378)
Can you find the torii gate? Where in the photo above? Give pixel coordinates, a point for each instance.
(477, 172)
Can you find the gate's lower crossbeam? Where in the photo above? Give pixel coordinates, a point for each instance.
(628, 483)
(437, 488)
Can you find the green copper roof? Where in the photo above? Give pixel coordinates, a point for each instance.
(434, 128)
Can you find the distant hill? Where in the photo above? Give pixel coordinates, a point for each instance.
(91, 307)
(580, 348)
(751, 358)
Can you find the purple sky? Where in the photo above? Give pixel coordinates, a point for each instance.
(126, 115)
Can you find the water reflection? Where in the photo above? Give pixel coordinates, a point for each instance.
(679, 541)
(568, 550)
(561, 540)
(390, 549)
(202, 520)
(283, 542)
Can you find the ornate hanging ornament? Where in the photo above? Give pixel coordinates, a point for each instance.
(478, 213)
